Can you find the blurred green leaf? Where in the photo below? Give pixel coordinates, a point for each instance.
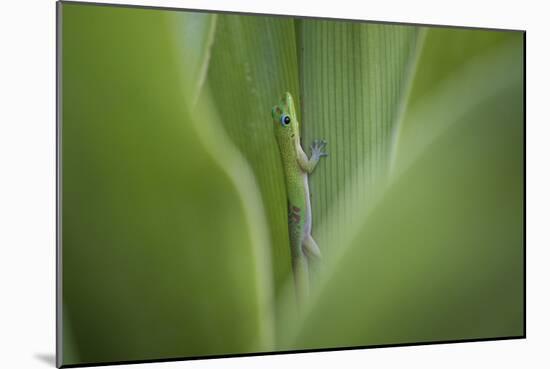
(70, 349)
(449, 49)
(478, 57)
(162, 246)
(437, 256)
(195, 35)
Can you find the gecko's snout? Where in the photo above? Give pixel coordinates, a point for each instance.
(287, 99)
(286, 96)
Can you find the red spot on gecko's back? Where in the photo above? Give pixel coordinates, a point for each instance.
(294, 214)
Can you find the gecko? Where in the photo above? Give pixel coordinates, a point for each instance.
(297, 167)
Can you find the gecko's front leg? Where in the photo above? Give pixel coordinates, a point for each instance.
(317, 153)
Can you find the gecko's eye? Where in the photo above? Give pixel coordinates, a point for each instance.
(285, 120)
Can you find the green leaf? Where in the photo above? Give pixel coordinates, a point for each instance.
(353, 79)
(436, 256)
(195, 34)
(456, 65)
(164, 245)
(253, 62)
(70, 351)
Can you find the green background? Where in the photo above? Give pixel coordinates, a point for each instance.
(174, 239)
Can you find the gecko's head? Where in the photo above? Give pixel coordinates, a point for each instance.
(285, 119)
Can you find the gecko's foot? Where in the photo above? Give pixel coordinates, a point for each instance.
(310, 248)
(317, 148)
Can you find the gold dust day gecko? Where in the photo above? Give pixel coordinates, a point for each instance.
(296, 167)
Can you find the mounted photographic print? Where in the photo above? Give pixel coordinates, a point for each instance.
(240, 184)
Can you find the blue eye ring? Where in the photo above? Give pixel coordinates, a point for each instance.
(285, 120)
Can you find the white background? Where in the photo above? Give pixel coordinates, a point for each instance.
(27, 183)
